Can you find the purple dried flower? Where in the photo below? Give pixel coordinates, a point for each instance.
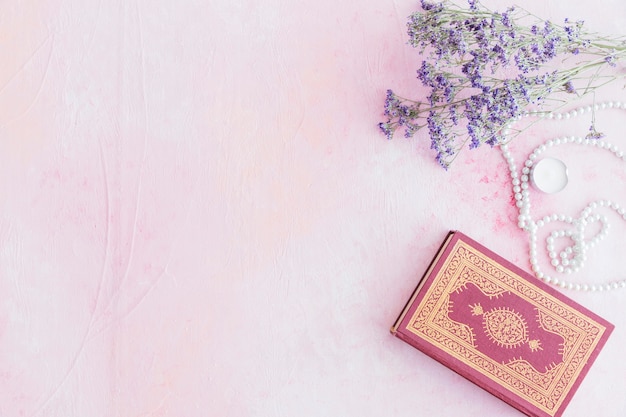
(428, 6)
(506, 19)
(593, 133)
(483, 69)
(611, 59)
(386, 129)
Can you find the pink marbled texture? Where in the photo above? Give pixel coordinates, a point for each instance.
(199, 217)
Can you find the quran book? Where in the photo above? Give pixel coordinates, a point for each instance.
(494, 324)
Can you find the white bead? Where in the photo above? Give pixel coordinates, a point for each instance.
(569, 259)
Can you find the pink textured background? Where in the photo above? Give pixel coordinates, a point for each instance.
(198, 215)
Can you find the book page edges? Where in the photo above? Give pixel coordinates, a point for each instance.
(407, 306)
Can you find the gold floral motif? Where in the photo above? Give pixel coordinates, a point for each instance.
(542, 379)
(552, 324)
(505, 327)
(477, 309)
(534, 345)
(460, 330)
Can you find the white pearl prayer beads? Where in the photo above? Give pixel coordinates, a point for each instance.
(572, 258)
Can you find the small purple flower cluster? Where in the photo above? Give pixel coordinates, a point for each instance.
(484, 69)
(593, 133)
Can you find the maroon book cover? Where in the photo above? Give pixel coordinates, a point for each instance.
(506, 331)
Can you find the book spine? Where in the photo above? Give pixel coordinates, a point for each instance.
(405, 310)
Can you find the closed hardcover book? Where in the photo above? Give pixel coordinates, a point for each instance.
(494, 324)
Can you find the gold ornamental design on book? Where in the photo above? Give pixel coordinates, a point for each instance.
(485, 316)
(504, 326)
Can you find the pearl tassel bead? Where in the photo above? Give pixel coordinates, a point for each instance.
(572, 258)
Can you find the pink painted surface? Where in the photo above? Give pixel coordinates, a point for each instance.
(199, 217)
